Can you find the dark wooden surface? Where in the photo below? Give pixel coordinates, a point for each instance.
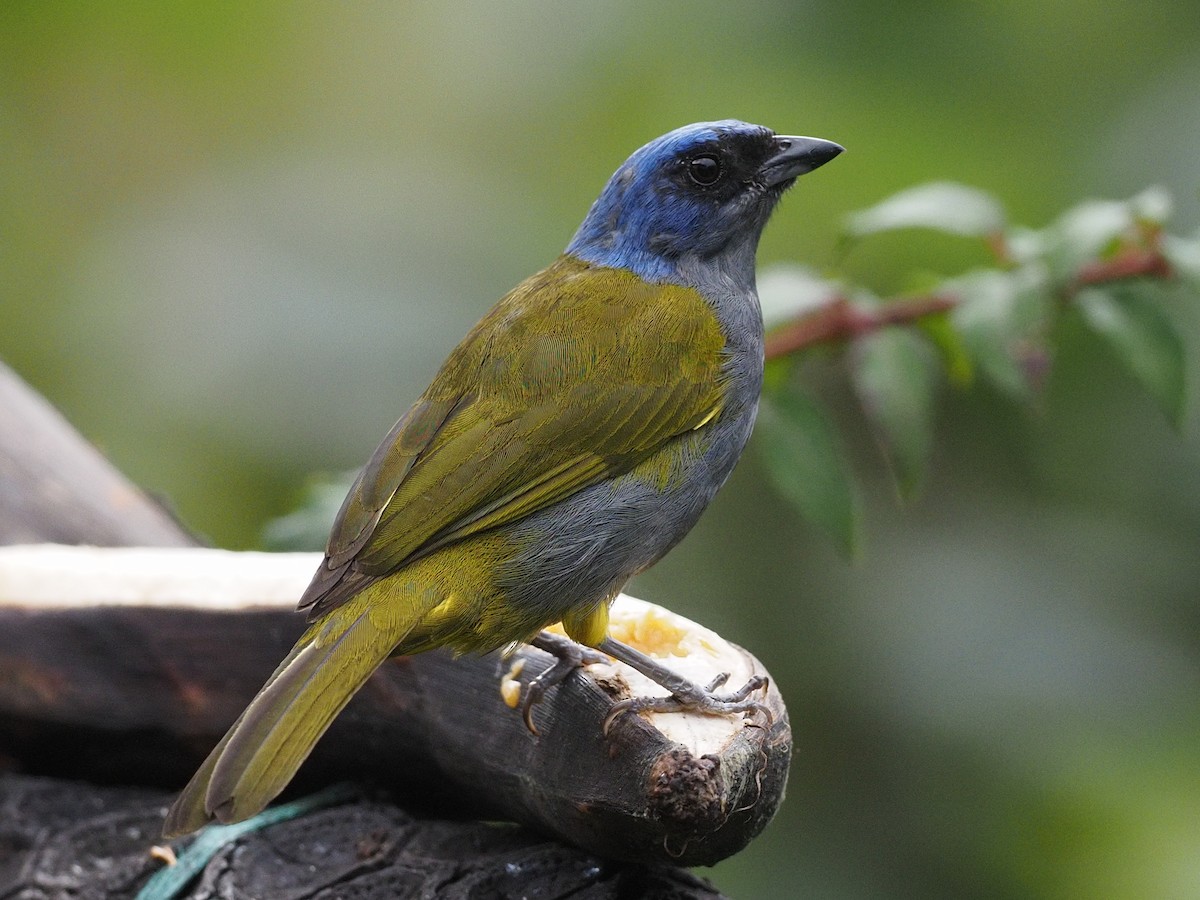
(63, 840)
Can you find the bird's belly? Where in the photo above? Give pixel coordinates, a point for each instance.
(582, 550)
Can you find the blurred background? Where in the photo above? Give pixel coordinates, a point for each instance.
(236, 240)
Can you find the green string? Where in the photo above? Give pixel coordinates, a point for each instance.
(166, 884)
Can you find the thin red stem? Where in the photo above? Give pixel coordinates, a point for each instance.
(1133, 263)
(840, 320)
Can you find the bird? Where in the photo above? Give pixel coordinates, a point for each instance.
(569, 441)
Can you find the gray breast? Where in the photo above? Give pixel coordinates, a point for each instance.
(586, 547)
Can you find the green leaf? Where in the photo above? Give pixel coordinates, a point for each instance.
(951, 347)
(1091, 230)
(777, 372)
(1154, 205)
(1093, 225)
(1143, 338)
(1002, 317)
(895, 380)
(942, 205)
(1097, 229)
(1184, 256)
(805, 461)
(307, 526)
(1025, 245)
(788, 291)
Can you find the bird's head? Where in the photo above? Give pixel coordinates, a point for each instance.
(695, 193)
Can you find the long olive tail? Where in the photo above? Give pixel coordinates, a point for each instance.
(267, 744)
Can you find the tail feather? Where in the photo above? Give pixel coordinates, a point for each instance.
(272, 738)
(285, 721)
(188, 812)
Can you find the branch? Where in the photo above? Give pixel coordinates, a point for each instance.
(55, 486)
(841, 320)
(1135, 262)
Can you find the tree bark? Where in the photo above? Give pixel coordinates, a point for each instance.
(72, 841)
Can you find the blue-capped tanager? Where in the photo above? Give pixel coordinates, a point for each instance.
(571, 439)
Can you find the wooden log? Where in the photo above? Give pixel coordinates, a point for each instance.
(170, 644)
(55, 486)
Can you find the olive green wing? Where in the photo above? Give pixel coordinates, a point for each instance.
(576, 376)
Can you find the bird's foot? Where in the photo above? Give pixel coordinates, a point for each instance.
(568, 655)
(686, 696)
(703, 700)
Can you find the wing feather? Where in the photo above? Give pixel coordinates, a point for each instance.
(576, 376)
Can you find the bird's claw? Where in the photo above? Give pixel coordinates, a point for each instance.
(701, 700)
(717, 682)
(569, 656)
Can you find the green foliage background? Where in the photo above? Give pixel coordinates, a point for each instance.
(237, 239)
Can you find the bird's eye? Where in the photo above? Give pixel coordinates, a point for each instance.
(704, 170)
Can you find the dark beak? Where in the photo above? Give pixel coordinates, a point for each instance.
(796, 156)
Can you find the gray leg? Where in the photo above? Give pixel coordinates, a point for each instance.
(686, 696)
(569, 656)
